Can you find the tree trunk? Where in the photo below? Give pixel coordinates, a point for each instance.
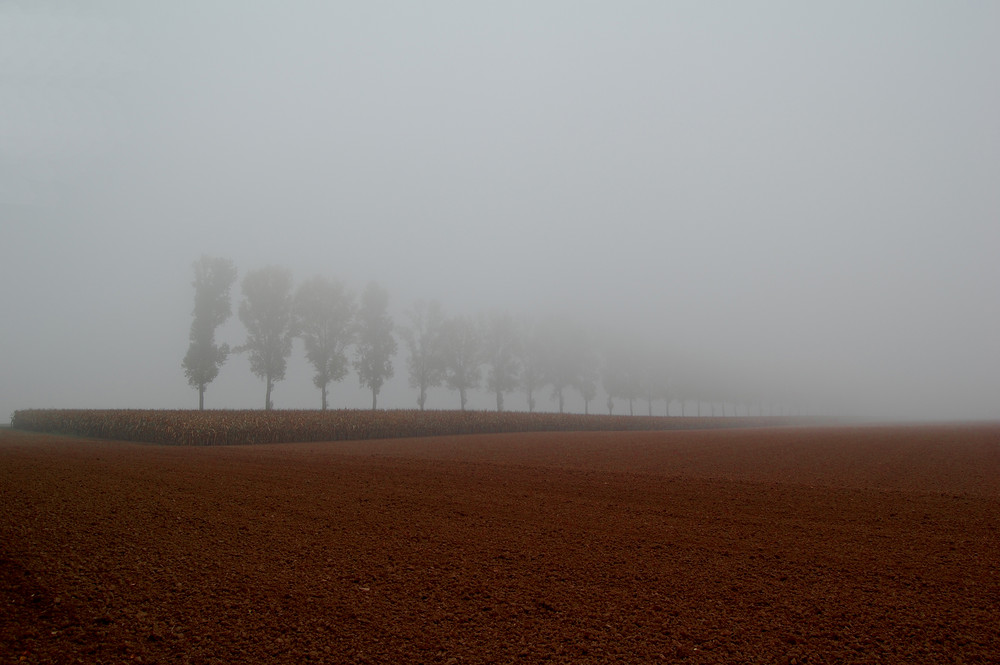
(560, 392)
(201, 397)
(374, 397)
(324, 398)
(499, 401)
(267, 395)
(422, 398)
(461, 397)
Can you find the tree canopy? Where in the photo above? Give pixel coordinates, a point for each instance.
(461, 356)
(266, 312)
(375, 345)
(213, 280)
(323, 313)
(424, 341)
(501, 347)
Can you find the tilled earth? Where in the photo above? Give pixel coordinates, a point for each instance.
(844, 545)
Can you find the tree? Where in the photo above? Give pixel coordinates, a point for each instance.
(621, 372)
(423, 338)
(462, 351)
(636, 375)
(612, 377)
(213, 280)
(652, 376)
(266, 312)
(533, 350)
(586, 380)
(610, 372)
(501, 352)
(375, 345)
(323, 312)
(588, 369)
(654, 387)
(563, 362)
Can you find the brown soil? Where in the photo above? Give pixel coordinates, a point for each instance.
(848, 545)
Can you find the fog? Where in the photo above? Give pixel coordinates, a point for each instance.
(795, 196)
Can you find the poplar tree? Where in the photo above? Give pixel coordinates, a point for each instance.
(324, 317)
(501, 353)
(462, 351)
(375, 344)
(213, 280)
(424, 340)
(266, 312)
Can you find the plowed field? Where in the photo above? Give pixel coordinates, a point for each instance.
(840, 545)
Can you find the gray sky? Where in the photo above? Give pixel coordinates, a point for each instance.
(805, 194)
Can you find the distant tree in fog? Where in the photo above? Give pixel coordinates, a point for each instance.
(587, 385)
(653, 380)
(324, 317)
(612, 380)
(375, 344)
(213, 280)
(685, 386)
(532, 359)
(564, 359)
(423, 339)
(704, 393)
(633, 379)
(462, 353)
(266, 313)
(501, 354)
(588, 372)
(621, 374)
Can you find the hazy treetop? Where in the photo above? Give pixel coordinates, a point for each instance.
(788, 189)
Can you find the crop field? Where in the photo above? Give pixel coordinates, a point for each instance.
(208, 428)
(806, 544)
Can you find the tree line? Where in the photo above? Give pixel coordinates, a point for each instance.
(495, 350)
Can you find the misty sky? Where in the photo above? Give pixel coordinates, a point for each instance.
(808, 193)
